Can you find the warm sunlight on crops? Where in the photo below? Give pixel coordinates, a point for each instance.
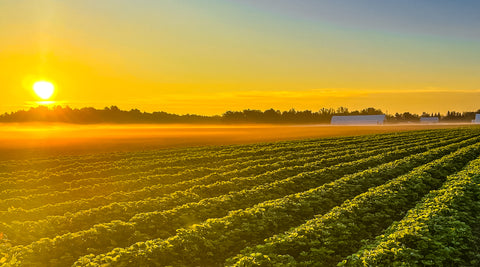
(45, 138)
(309, 201)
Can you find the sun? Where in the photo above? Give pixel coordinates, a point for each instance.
(44, 89)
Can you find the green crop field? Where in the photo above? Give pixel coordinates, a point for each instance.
(410, 198)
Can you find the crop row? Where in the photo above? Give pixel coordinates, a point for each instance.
(162, 188)
(211, 242)
(25, 232)
(71, 178)
(442, 230)
(20, 169)
(124, 168)
(62, 163)
(325, 240)
(57, 225)
(202, 157)
(175, 173)
(166, 157)
(101, 237)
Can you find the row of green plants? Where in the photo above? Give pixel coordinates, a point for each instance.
(17, 168)
(118, 233)
(155, 190)
(40, 167)
(327, 239)
(114, 168)
(166, 196)
(442, 230)
(168, 174)
(26, 232)
(50, 181)
(176, 183)
(210, 243)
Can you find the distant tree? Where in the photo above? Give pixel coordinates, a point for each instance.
(371, 111)
(272, 115)
(342, 111)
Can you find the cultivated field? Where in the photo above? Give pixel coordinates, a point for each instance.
(25, 140)
(411, 197)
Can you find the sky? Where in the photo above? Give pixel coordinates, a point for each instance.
(207, 57)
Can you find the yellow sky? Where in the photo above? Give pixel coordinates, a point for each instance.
(185, 57)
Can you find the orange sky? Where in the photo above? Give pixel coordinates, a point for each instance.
(188, 57)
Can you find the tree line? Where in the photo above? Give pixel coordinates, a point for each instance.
(113, 114)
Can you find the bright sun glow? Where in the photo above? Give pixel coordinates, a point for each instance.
(44, 89)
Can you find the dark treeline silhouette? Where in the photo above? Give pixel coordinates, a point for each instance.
(114, 115)
(451, 116)
(324, 115)
(107, 115)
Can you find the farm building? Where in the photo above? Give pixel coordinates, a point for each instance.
(477, 118)
(429, 120)
(358, 120)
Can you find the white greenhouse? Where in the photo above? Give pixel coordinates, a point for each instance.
(358, 120)
(477, 118)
